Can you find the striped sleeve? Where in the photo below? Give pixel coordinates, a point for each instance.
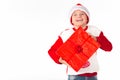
(104, 42)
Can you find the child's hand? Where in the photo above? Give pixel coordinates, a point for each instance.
(63, 61)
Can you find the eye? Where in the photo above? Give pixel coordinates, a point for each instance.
(74, 14)
(81, 14)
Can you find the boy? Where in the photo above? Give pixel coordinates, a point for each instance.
(79, 17)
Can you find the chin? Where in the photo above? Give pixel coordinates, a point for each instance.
(79, 25)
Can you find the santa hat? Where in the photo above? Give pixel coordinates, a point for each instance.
(80, 7)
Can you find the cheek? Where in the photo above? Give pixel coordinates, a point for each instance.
(72, 20)
(86, 19)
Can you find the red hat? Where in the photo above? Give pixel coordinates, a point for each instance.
(80, 7)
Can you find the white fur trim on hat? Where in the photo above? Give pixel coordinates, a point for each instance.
(80, 7)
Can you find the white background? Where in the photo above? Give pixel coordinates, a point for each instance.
(28, 28)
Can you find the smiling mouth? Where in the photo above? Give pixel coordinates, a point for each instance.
(79, 20)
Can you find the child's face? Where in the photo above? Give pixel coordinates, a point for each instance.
(79, 18)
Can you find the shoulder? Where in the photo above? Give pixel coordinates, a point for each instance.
(91, 27)
(66, 31)
(95, 31)
(65, 34)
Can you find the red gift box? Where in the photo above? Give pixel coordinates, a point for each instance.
(78, 49)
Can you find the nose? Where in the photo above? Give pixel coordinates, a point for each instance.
(79, 15)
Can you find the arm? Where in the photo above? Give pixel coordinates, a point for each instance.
(104, 42)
